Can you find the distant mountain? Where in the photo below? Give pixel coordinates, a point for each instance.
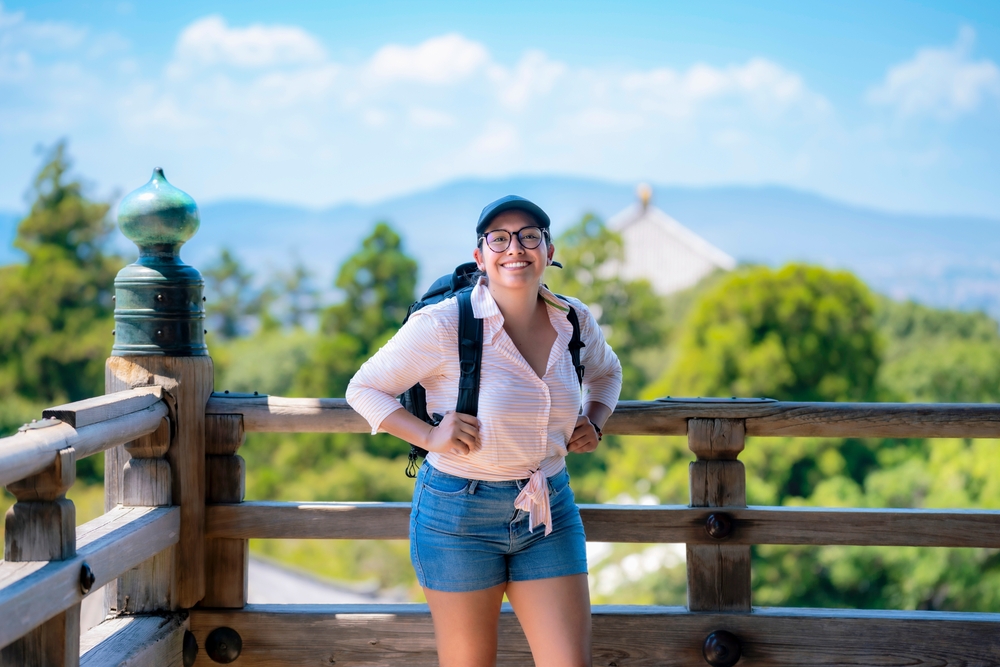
(948, 261)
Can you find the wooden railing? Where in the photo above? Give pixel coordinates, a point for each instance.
(49, 563)
(719, 624)
(49, 567)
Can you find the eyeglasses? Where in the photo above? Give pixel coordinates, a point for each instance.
(499, 239)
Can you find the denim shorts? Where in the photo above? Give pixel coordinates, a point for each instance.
(466, 535)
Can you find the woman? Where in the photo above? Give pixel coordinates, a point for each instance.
(490, 485)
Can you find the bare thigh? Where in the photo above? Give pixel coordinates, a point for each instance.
(555, 616)
(466, 625)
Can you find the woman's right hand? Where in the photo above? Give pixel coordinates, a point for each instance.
(456, 433)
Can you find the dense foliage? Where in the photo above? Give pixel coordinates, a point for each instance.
(56, 312)
(804, 333)
(55, 307)
(378, 286)
(799, 333)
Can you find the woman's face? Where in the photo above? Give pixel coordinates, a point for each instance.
(516, 267)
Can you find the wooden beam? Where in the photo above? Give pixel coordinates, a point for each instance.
(833, 420)
(135, 641)
(717, 439)
(147, 482)
(290, 520)
(41, 526)
(114, 543)
(634, 523)
(102, 408)
(624, 636)
(718, 575)
(276, 414)
(31, 451)
(188, 381)
(226, 561)
(224, 434)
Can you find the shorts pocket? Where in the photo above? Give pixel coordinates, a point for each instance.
(558, 483)
(444, 485)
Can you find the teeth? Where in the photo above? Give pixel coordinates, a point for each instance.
(516, 265)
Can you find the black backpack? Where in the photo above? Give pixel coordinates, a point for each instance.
(470, 351)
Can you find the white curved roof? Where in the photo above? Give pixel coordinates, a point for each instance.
(663, 251)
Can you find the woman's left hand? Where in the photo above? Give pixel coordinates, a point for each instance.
(584, 438)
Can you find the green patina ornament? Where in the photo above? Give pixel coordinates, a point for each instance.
(159, 309)
(158, 214)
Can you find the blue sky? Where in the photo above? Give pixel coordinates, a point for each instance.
(890, 104)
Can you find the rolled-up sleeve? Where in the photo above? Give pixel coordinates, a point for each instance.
(602, 379)
(413, 354)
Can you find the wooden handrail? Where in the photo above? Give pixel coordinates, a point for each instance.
(102, 408)
(35, 591)
(644, 636)
(634, 523)
(276, 414)
(33, 450)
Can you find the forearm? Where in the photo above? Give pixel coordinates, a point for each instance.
(597, 413)
(406, 427)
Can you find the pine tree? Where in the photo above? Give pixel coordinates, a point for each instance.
(56, 310)
(378, 286)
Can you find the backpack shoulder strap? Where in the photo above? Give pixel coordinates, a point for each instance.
(575, 342)
(470, 355)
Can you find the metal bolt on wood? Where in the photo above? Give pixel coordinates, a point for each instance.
(190, 650)
(722, 649)
(224, 645)
(87, 578)
(719, 525)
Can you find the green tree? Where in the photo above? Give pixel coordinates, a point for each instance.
(630, 313)
(377, 284)
(234, 305)
(297, 296)
(56, 311)
(935, 355)
(800, 333)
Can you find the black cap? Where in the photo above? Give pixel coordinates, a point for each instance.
(511, 203)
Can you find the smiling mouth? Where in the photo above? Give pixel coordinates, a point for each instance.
(515, 265)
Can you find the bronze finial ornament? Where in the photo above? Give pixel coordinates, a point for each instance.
(158, 299)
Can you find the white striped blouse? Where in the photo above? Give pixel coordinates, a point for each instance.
(525, 421)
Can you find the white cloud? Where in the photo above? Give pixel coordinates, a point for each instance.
(498, 139)
(269, 97)
(374, 117)
(15, 32)
(943, 83)
(210, 41)
(424, 117)
(262, 110)
(765, 85)
(440, 60)
(534, 75)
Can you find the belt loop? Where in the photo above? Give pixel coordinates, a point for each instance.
(472, 486)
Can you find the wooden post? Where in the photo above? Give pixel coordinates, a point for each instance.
(41, 525)
(147, 482)
(225, 482)
(718, 574)
(188, 382)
